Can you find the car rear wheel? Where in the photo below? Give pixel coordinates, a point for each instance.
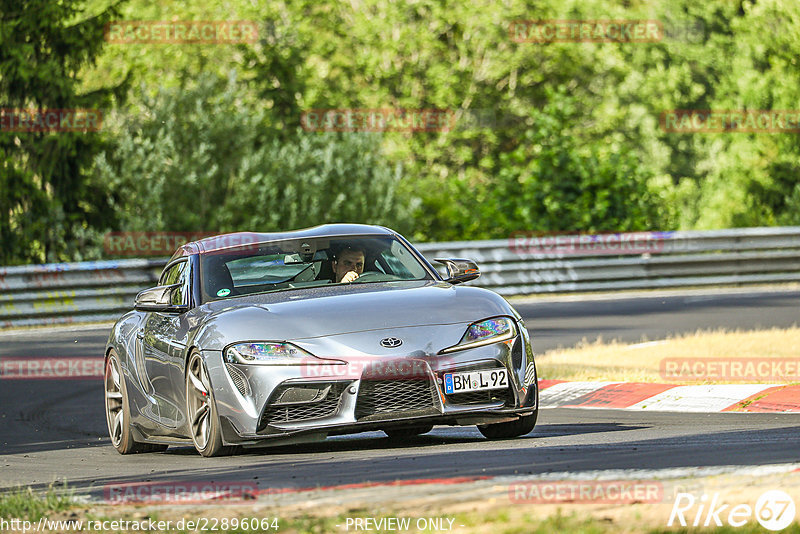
(407, 431)
(202, 410)
(510, 429)
(118, 412)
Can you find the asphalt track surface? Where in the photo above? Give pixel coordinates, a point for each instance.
(54, 430)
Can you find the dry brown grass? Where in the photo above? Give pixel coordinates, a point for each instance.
(640, 362)
(475, 508)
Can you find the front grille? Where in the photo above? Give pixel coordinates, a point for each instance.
(305, 411)
(389, 397)
(482, 397)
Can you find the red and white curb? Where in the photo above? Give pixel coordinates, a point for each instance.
(769, 398)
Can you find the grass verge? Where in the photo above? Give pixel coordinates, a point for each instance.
(642, 362)
(24, 503)
(483, 508)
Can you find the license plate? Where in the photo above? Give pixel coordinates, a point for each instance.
(475, 381)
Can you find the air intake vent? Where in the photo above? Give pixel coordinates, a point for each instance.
(395, 397)
(492, 396)
(239, 380)
(324, 405)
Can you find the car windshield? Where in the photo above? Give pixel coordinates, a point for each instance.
(302, 263)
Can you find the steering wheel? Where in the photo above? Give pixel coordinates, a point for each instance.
(376, 276)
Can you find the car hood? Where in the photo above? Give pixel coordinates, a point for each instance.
(342, 309)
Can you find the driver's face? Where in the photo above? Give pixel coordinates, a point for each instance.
(349, 260)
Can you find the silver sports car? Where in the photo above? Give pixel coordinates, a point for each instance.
(255, 339)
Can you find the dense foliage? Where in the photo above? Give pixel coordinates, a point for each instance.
(194, 161)
(550, 136)
(47, 198)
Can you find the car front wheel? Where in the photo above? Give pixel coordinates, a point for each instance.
(510, 429)
(202, 410)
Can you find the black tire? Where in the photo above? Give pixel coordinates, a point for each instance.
(510, 429)
(118, 412)
(407, 431)
(201, 409)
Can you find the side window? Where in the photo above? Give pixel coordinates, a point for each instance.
(396, 266)
(178, 274)
(401, 263)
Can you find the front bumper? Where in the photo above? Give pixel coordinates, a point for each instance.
(258, 403)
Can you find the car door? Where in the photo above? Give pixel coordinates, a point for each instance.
(164, 345)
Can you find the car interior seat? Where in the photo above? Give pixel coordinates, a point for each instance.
(326, 270)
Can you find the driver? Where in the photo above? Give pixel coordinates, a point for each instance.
(348, 264)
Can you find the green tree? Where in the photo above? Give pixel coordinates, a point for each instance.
(550, 182)
(460, 57)
(175, 154)
(47, 200)
(572, 141)
(315, 178)
(198, 159)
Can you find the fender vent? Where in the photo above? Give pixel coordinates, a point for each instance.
(239, 380)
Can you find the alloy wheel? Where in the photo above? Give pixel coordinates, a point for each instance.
(199, 402)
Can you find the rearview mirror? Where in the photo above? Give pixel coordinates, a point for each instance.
(459, 270)
(160, 299)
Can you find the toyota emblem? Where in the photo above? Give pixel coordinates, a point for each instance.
(391, 342)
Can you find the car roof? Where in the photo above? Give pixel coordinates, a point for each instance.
(223, 241)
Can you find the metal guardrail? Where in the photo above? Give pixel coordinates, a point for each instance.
(103, 290)
(57, 293)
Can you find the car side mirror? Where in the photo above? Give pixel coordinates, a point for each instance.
(459, 270)
(160, 299)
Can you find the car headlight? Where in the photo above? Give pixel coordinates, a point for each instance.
(485, 332)
(268, 353)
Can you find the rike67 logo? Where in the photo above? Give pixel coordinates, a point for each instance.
(774, 510)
